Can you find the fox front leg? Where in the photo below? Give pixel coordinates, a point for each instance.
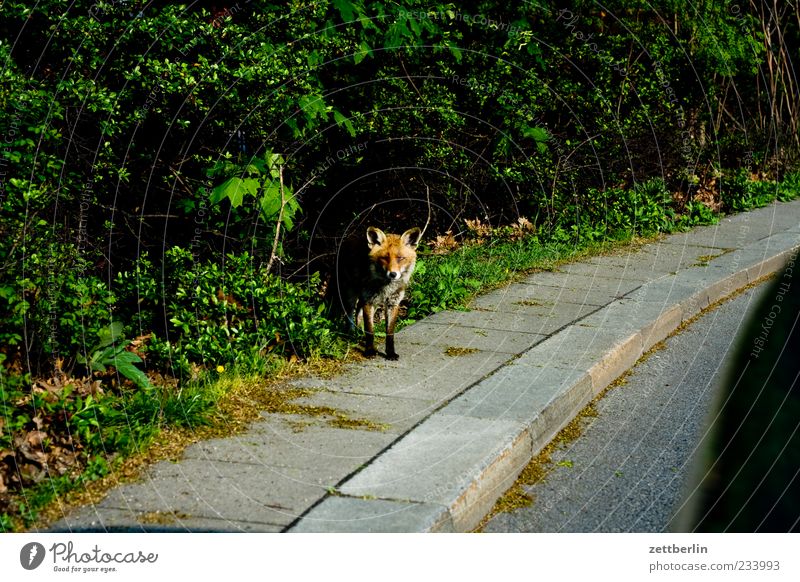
(391, 320)
(369, 330)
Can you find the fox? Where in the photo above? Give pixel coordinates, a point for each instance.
(376, 275)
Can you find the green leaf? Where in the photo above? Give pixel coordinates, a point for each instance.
(396, 34)
(313, 106)
(271, 200)
(538, 133)
(275, 161)
(346, 9)
(124, 361)
(109, 334)
(341, 120)
(363, 52)
(234, 190)
(455, 51)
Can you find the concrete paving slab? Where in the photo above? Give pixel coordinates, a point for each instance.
(767, 255)
(460, 462)
(534, 295)
(633, 272)
(349, 514)
(651, 312)
(460, 336)
(576, 281)
(603, 354)
(779, 241)
(428, 375)
(294, 441)
(540, 320)
(245, 492)
(713, 282)
(677, 256)
(664, 293)
(94, 519)
(691, 290)
(660, 258)
(394, 415)
(539, 397)
(515, 392)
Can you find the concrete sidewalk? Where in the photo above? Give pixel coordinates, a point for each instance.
(474, 396)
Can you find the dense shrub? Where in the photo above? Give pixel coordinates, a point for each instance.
(230, 312)
(143, 126)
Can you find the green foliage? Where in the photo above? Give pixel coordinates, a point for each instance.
(52, 294)
(789, 188)
(111, 352)
(652, 207)
(739, 193)
(96, 428)
(232, 312)
(695, 214)
(276, 201)
(438, 285)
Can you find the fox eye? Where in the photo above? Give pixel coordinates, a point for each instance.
(400, 259)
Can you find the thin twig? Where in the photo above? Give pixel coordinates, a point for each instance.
(278, 224)
(410, 80)
(428, 221)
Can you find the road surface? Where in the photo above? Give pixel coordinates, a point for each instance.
(628, 471)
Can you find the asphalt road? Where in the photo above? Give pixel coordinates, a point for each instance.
(629, 470)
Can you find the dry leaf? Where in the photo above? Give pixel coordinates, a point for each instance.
(444, 243)
(36, 438)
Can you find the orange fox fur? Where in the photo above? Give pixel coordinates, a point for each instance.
(376, 276)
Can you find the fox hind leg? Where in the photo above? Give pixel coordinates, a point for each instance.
(391, 320)
(369, 329)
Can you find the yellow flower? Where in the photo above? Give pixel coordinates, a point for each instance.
(220, 369)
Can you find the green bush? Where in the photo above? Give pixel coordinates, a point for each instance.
(231, 312)
(739, 193)
(789, 187)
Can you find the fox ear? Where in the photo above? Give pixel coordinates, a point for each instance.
(375, 236)
(411, 236)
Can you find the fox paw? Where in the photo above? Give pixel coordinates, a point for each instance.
(369, 352)
(392, 356)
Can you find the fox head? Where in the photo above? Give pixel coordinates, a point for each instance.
(393, 256)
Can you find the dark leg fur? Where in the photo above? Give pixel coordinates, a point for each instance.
(369, 330)
(391, 320)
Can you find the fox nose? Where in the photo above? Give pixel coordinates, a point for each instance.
(393, 274)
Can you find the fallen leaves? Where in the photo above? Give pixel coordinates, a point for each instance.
(444, 243)
(478, 232)
(37, 445)
(60, 381)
